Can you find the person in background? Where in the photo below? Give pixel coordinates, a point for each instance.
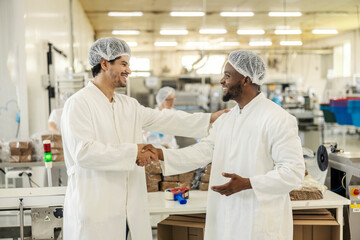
(256, 157)
(103, 150)
(165, 99)
(55, 115)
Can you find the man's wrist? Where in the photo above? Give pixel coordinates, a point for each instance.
(160, 154)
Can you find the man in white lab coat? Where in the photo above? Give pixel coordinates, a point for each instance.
(102, 136)
(256, 159)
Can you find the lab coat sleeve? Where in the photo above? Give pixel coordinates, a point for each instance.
(79, 137)
(183, 160)
(178, 123)
(289, 165)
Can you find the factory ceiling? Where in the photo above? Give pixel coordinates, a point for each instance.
(341, 16)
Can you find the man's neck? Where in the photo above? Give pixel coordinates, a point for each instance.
(107, 90)
(246, 99)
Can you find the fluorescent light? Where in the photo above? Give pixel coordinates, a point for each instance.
(187, 14)
(260, 43)
(229, 44)
(285, 14)
(165, 44)
(132, 44)
(287, 32)
(236, 14)
(325, 31)
(251, 32)
(125, 32)
(212, 31)
(290, 43)
(125, 14)
(197, 44)
(174, 32)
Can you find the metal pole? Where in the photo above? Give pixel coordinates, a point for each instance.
(21, 206)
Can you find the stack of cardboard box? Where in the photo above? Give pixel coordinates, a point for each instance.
(175, 181)
(153, 176)
(205, 177)
(20, 151)
(56, 146)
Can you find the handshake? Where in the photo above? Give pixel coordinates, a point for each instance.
(147, 153)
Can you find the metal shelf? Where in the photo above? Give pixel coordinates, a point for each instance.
(29, 164)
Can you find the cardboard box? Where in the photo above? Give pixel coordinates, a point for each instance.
(153, 168)
(205, 177)
(153, 178)
(23, 158)
(182, 227)
(173, 178)
(20, 145)
(152, 187)
(315, 224)
(204, 186)
(57, 151)
(186, 177)
(58, 158)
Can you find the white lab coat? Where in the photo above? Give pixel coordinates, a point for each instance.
(160, 140)
(105, 186)
(259, 142)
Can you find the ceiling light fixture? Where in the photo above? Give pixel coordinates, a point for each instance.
(212, 31)
(288, 32)
(290, 43)
(187, 14)
(325, 31)
(251, 32)
(285, 14)
(197, 44)
(260, 43)
(125, 14)
(236, 14)
(125, 32)
(165, 44)
(174, 32)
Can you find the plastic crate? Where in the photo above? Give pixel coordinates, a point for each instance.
(340, 108)
(329, 116)
(354, 110)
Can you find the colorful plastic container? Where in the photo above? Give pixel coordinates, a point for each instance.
(339, 108)
(329, 116)
(354, 110)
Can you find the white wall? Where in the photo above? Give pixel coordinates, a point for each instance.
(13, 94)
(49, 21)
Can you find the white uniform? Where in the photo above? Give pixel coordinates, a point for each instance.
(259, 142)
(105, 186)
(55, 117)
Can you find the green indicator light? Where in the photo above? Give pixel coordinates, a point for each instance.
(48, 157)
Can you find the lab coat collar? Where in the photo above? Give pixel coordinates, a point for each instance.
(91, 85)
(251, 104)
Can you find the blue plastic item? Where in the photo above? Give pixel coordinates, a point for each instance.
(179, 197)
(354, 110)
(329, 116)
(340, 109)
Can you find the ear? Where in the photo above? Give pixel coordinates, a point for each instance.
(104, 64)
(247, 81)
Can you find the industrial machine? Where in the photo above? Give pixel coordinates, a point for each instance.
(343, 177)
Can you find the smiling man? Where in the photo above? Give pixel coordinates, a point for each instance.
(102, 136)
(256, 159)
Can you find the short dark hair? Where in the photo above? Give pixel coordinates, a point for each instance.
(97, 68)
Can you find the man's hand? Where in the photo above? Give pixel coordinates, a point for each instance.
(146, 154)
(236, 184)
(217, 114)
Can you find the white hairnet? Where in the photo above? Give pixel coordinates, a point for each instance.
(248, 64)
(163, 93)
(108, 48)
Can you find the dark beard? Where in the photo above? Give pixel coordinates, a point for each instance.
(232, 93)
(226, 97)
